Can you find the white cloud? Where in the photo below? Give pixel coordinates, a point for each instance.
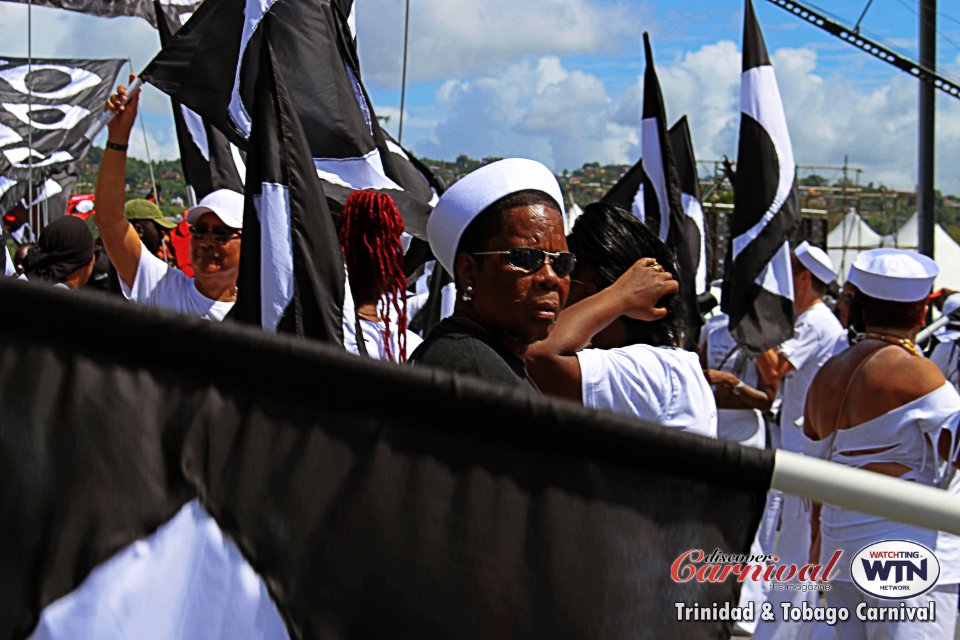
(537, 109)
(463, 38)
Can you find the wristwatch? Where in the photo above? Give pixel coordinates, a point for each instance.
(738, 389)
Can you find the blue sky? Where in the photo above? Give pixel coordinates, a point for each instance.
(560, 80)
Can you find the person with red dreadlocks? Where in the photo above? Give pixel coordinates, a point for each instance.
(370, 228)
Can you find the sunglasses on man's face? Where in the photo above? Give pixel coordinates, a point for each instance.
(221, 235)
(530, 259)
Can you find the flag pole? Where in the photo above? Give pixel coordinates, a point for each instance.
(35, 224)
(403, 82)
(97, 125)
(146, 146)
(866, 491)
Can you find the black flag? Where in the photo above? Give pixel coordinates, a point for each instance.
(757, 280)
(210, 162)
(211, 66)
(176, 9)
(291, 266)
(397, 499)
(46, 106)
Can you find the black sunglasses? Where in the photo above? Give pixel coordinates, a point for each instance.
(530, 259)
(221, 235)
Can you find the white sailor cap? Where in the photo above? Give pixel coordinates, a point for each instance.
(476, 191)
(946, 334)
(893, 274)
(816, 261)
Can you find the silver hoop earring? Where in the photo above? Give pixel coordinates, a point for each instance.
(467, 295)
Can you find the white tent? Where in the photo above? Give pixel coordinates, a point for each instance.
(853, 235)
(849, 238)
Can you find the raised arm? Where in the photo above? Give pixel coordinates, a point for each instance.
(120, 239)
(553, 363)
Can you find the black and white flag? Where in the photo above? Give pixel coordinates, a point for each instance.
(209, 160)
(46, 106)
(693, 248)
(662, 204)
(211, 66)
(757, 279)
(285, 489)
(653, 192)
(291, 266)
(178, 10)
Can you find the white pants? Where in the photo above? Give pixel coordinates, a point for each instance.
(847, 595)
(793, 546)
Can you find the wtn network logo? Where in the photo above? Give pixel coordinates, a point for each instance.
(895, 569)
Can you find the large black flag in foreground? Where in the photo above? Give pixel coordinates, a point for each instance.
(291, 269)
(212, 63)
(175, 9)
(46, 106)
(757, 281)
(210, 162)
(357, 499)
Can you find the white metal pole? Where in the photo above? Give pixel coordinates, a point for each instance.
(866, 491)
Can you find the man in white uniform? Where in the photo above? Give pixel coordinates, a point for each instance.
(216, 226)
(795, 363)
(946, 355)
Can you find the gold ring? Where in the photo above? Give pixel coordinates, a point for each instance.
(657, 267)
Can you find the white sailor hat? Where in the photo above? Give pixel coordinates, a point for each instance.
(946, 334)
(893, 274)
(476, 191)
(816, 261)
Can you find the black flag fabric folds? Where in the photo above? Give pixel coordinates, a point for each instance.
(291, 269)
(757, 279)
(46, 106)
(211, 66)
(368, 498)
(210, 162)
(175, 9)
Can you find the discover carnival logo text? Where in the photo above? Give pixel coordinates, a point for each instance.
(891, 569)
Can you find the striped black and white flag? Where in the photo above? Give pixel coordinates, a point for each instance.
(291, 269)
(174, 9)
(211, 66)
(209, 160)
(757, 279)
(144, 499)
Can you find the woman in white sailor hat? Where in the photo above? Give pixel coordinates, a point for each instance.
(881, 406)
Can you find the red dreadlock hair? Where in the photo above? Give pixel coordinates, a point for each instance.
(370, 228)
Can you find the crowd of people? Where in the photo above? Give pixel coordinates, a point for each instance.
(595, 317)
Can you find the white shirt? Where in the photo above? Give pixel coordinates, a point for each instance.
(375, 338)
(157, 284)
(658, 384)
(746, 426)
(815, 337)
(946, 356)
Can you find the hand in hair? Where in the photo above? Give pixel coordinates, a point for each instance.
(642, 287)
